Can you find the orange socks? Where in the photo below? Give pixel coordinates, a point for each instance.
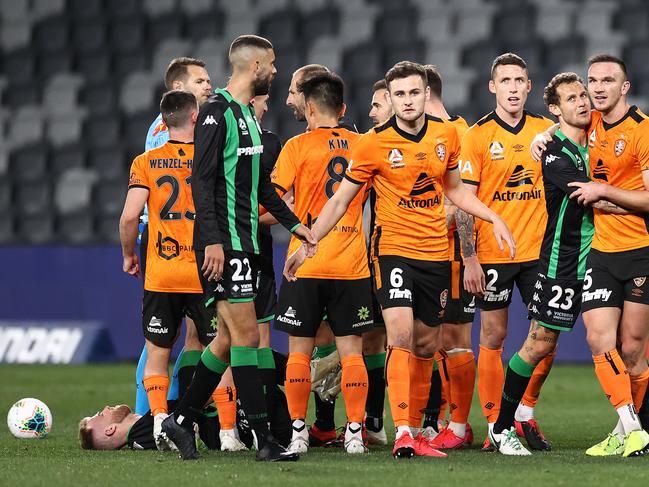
(298, 384)
(639, 388)
(225, 399)
(397, 380)
(614, 378)
(421, 370)
(537, 380)
(491, 379)
(156, 387)
(354, 387)
(461, 372)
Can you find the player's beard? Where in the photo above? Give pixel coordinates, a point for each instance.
(120, 413)
(262, 85)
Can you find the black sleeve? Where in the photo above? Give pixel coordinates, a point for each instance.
(268, 197)
(209, 140)
(560, 170)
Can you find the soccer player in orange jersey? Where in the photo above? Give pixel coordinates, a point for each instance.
(497, 165)
(455, 357)
(313, 165)
(615, 299)
(160, 178)
(411, 161)
(374, 340)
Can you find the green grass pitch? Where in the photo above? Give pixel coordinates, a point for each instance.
(573, 412)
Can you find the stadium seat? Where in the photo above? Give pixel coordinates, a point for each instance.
(287, 61)
(37, 228)
(95, 66)
(123, 9)
(127, 62)
(321, 22)
(73, 189)
(127, 34)
(54, 62)
(76, 228)
(102, 132)
(5, 194)
(480, 55)
(154, 8)
(33, 197)
(7, 229)
(89, 35)
(107, 228)
(65, 128)
(397, 26)
(633, 21)
(515, 24)
(61, 94)
(85, 9)
(29, 163)
(363, 62)
(52, 34)
(281, 28)
(19, 94)
(109, 164)
(563, 53)
(192, 7)
(99, 98)
(26, 126)
(19, 66)
(165, 26)
(636, 58)
(108, 198)
(67, 157)
(137, 93)
(15, 35)
(201, 26)
(414, 50)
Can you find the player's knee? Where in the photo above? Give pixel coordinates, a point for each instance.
(493, 336)
(599, 341)
(633, 352)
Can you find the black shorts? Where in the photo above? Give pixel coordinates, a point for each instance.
(239, 280)
(614, 277)
(376, 307)
(162, 315)
(556, 303)
(266, 299)
(417, 284)
(348, 304)
(460, 308)
(500, 279)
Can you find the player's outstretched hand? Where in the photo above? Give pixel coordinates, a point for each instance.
(474, 280)
(213, 265)
(131, 265)
(293, 263)
(539, 145)
(587, 193)
(306, 235)
(503, 234)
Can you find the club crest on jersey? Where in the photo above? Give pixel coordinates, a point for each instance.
(592, 138)
(443, 298)
(620, 145)
(440, 150)
(639, 281)
(395, 157)
(497, 151)
(243, 127)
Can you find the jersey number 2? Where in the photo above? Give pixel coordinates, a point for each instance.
(165, 212)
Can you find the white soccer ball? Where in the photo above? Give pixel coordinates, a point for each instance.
(29, 418)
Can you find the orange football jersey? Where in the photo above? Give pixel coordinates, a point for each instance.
(619, 152)
(170, 259)
(313, 164)
(407, 174)
(496, 158)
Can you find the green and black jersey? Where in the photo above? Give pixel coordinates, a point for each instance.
(570, 229)
(227, 178)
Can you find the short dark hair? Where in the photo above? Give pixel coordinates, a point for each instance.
(310, 70)
(607, 58)
(175, 107)
(550, 94)
(379, 85)
(434, 80)
(507, 59)
(326, 90)
(177, 69)
(249, 40)
(403, 69)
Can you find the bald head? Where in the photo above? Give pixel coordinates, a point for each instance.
(295, 98)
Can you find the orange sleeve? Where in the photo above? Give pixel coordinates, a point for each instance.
(139, 175)
(285, 170)
(363, 161)
(453, 150)
(641, 143)
(471, 157)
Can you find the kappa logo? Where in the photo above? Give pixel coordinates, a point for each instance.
(209, 120)
(219, 288)
(550, 158)
(440, 150)
(424, 184)
(520, 177)
(639, 281)
(601, 171)
(395, 156)
(497, 151)
(620, 145)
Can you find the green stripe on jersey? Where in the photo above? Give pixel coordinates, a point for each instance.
(556, 241)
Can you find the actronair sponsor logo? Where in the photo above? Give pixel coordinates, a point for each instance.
(288, 317)
(424, 184)
(535, 194)
(155, 326)
(250, 151)
(520, 177)
(414, 203)
(39, 344)
(601, 171)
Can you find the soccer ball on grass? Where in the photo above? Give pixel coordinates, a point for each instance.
(29, 418)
